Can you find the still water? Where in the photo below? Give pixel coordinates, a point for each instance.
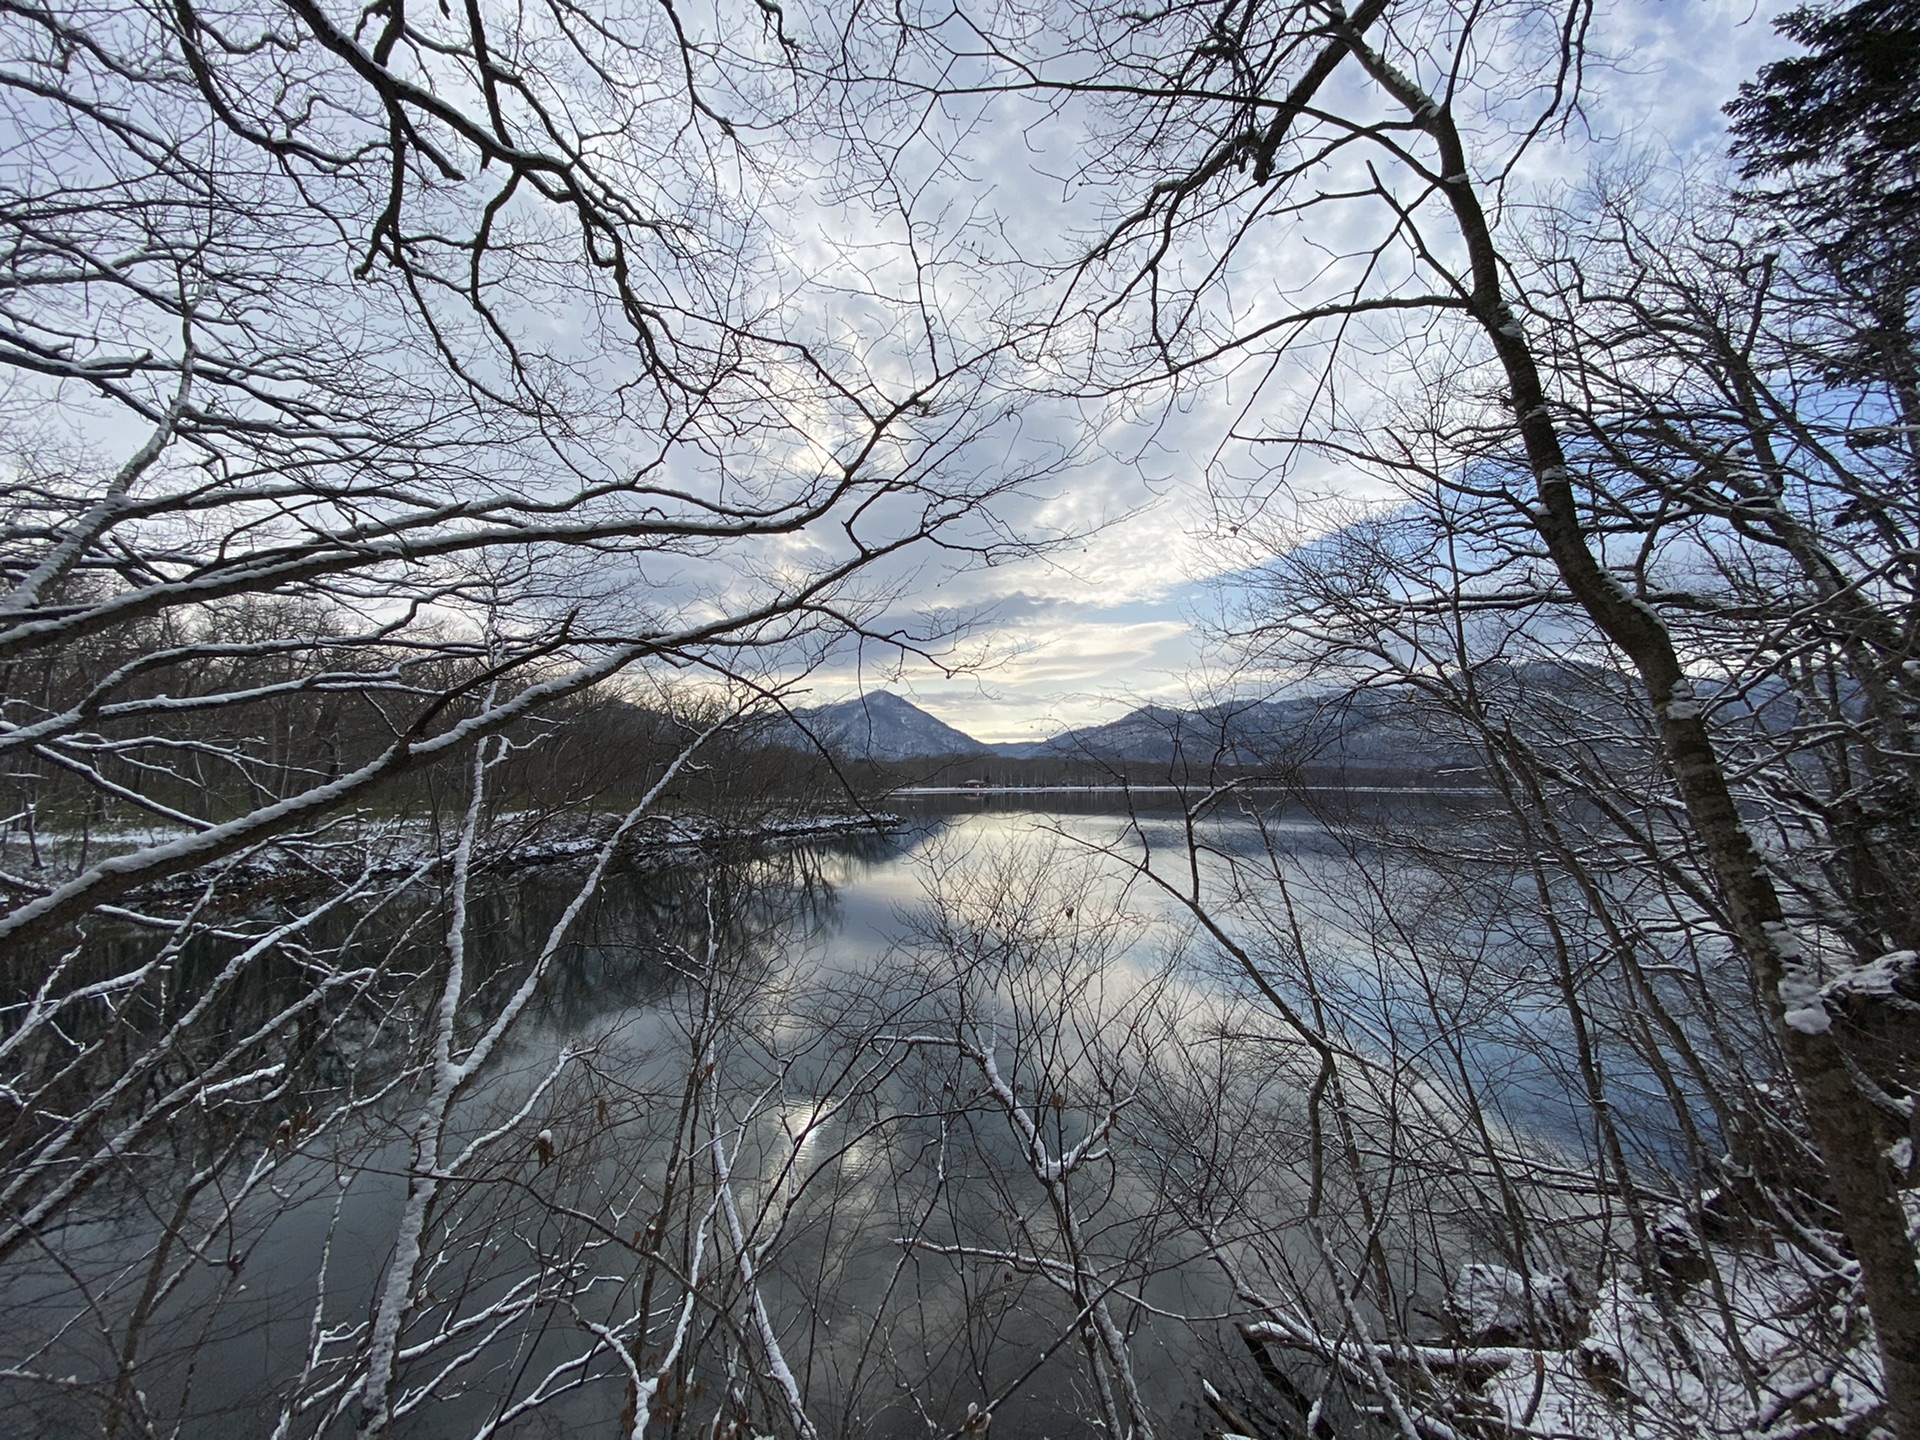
(852, 1137)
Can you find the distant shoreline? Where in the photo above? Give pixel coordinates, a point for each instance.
(392, 850)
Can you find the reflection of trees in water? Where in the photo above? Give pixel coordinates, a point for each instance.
(633, 943)
(1042, 1159)
(189, 1141)
(709, 1183)
(900, 1239)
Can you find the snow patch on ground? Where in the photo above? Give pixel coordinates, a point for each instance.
(393, 848)
(1493, 1305)
(1801, 1355)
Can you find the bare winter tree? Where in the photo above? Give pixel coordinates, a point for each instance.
(384, 386)
(370, 325)
(376, 382)
(1676, 444)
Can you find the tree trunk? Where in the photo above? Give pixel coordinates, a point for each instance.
(1842, 1121)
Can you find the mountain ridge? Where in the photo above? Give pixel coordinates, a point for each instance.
(1347, 726)
(883, 726)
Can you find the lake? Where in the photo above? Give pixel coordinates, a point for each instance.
(836, 1139)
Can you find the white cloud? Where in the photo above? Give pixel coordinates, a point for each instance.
(1099, 622)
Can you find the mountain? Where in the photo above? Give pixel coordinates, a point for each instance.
(1384, 729)
(1381, 729)
(1351, 727)
(880, 726)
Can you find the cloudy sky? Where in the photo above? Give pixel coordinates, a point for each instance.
(1118, 617)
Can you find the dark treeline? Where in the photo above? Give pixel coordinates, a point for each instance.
(268, 698)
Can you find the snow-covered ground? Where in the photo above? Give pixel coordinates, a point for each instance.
(384, 846)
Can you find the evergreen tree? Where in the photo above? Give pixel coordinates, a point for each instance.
(1841, 123)
(1837, 132)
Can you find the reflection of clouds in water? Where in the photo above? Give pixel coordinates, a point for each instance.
(887, 1189)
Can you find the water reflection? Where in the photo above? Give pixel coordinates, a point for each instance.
(849, 1136)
